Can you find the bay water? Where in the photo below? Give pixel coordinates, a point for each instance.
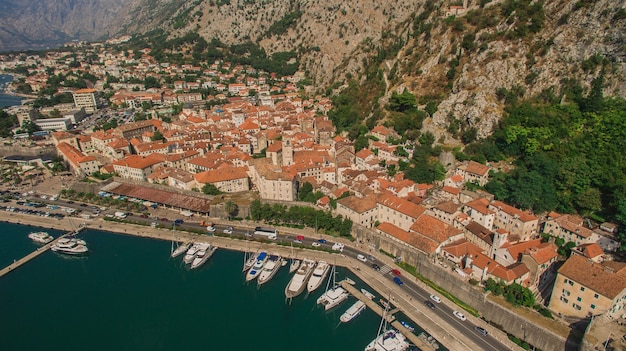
(128, 294)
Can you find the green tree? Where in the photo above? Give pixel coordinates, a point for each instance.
(231, 208)
(210, 189)
(158, 136)
(305, 190)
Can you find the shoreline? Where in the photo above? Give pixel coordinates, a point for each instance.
(431, 324)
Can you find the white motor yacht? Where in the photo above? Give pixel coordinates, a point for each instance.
(269, 269)
(352, 312)
(70, 247)
(320, 272)
(333, 297)
(257, 267)
(298, 281)
(368, 294)
(41, 237)
(191, 253)
(68, 240)
(250, 261)
(202, 255)
(390, 340)
(182, 248)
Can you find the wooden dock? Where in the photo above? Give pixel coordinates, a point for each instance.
(389, 316)
(18, 263)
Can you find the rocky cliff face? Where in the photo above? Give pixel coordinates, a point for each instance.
(460, 62)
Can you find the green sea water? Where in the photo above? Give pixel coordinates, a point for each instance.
(128, 294)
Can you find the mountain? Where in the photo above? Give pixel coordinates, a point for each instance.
(35, 24)
(465, 58)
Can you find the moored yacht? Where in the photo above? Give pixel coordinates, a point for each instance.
(41, 237)
(390, 340)
(191, 253)
(250, 261)
(368, 294)
(182, 248)
(269, 269)
(257, 267)
(70, 247)
(320, 272)
(202, 255)
(298, 281)
(333, 297)
(352, 312)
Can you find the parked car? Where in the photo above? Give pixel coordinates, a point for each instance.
(322, 241)
(396, 272)
(338, 247)
(361, 258)
(481, 331)
(316, 244)
(459, 315)
(228, 230)
(429, 304)
(435, 298)
(398, 281)
(178, 222)
(210, 229)
(376, 267)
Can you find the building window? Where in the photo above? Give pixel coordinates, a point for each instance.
(576, 306)
(595, 296)
(580, 299)
(582, 288)
(593, 307)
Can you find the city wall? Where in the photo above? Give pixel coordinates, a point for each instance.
(492, 312)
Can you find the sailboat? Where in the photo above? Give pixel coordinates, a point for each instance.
(295, 264)
(249, 259)
(178, 249)
(387, 339)
(332, 297)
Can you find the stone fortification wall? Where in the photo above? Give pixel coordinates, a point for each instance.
(8, 150)
(492, 312)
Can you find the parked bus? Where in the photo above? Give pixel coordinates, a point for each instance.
(271, 234)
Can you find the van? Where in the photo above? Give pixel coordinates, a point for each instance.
(361, 258)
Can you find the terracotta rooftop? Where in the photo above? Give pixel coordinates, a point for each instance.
(418, 241)
(606, 279)
(524, 216)
(401, 205)
(481, 232)
(476, 168)
(221, 175)
(481, 205)
(358, 205)
(434, 228)
(448, 207)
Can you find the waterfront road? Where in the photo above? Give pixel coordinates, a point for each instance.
(438, 321)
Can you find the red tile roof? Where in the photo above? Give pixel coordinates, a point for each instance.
(607, 280)
(434, 228)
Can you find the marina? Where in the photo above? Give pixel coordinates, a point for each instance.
(245, 246)
(123, 315)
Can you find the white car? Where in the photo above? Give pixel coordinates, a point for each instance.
(459, 315)
(210, 229)
(228, 230)
(435, 298)
(316, 244)
(361, 258)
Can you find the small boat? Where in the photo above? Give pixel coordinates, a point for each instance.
(70, 247)
(297, 284)
(294, 266)
(368, 294)
(41, 237)
(350, 281)
(191, 253)
(283, 262)
(202, 255)
(408, 326)
(257, 267)
(352, 312)
(320, 272)
(269, 269)
(182, 248)
(68, 240)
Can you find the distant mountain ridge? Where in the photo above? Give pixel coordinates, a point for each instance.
(36, 24)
